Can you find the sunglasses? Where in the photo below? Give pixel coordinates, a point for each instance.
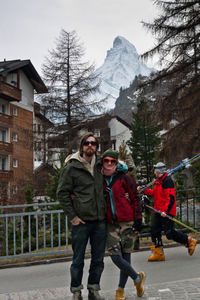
(86, 143)
(107, 160)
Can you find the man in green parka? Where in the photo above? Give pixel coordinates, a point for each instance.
(86, 209)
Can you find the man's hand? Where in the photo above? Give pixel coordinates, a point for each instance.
(127, 196)
(77, 221)
(163, 214)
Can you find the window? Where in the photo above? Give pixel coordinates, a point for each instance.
(2, 163)
(39, 146)
(15, 137)
(39, 128)
(14, 83)
(2, 135)
(15, 111)
(97, 132)
(15, 163)
(3, 109)
(113, 146)
(15, 189)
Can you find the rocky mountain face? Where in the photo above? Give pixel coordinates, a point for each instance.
(119, 69)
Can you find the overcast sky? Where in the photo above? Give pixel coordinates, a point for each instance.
(29, 28)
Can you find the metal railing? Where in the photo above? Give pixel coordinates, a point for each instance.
(45, 231)
(18, 230)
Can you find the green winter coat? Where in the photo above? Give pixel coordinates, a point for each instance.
(89, 202)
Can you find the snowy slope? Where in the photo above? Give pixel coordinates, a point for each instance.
(119, 69)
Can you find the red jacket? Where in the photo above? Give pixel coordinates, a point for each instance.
(125, 210)
(164, 195)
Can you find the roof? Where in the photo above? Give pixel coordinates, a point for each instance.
(39, 115)
(122, 121)
(26, 66)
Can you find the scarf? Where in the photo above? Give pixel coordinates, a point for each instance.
(108, 173)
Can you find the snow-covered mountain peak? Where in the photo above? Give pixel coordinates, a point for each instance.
(119, 69)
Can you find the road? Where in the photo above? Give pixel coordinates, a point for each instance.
(179, 266)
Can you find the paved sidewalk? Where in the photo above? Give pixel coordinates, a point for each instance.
(178, 290)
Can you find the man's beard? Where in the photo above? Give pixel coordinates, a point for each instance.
(89, 152)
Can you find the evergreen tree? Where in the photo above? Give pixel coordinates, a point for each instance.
(52, 187)
(144, 141)
(52, 197)
(29, 195)
(177, 34)
(197, 177)
(179, 185)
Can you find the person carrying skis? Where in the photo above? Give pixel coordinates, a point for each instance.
(165, 201)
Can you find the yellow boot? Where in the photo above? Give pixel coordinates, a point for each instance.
(158, 254)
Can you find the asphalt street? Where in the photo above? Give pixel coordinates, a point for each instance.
(178, 277)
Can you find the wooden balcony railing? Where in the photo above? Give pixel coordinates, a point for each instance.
(9, 92)
(6, 147)
(6, 120)
(6, 176)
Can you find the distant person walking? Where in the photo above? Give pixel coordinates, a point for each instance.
(124, 218)
(86, 210)
(165, 201)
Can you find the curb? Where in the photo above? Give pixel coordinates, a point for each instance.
(69, 258)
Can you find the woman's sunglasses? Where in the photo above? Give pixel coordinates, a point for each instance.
(86, 143)
(107, 160)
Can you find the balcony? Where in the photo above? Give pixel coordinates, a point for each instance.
(6, 148)
(9, 92)
(6, 120)
(6, 176)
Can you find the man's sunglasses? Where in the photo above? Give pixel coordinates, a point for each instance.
(86, 143)
(107, 160)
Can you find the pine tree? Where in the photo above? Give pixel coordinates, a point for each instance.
(52, 197)
(29, 195)
(52, 187)
(144, 141)
(179, 185)
(177, 34)
(197, 178)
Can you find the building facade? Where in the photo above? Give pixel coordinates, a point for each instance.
(19, 81)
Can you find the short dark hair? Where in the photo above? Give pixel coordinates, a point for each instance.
(84, 138)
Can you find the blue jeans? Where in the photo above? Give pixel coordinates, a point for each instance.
(96, 232)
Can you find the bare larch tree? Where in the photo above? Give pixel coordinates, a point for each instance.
(71, 83)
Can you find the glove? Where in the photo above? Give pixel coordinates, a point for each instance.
(138, 225)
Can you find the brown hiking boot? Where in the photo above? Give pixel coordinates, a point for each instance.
(158, 254)
(77, 296)
(140, 285)
(191, 245)
(119, 294)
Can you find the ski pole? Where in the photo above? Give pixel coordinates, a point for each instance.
(173, 219)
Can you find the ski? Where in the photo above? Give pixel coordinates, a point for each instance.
(186, 163)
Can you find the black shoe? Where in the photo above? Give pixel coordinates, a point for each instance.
(94, 295)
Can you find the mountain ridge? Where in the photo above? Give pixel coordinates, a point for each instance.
(119, 69)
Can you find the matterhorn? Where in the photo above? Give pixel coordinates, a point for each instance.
(119, 69)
